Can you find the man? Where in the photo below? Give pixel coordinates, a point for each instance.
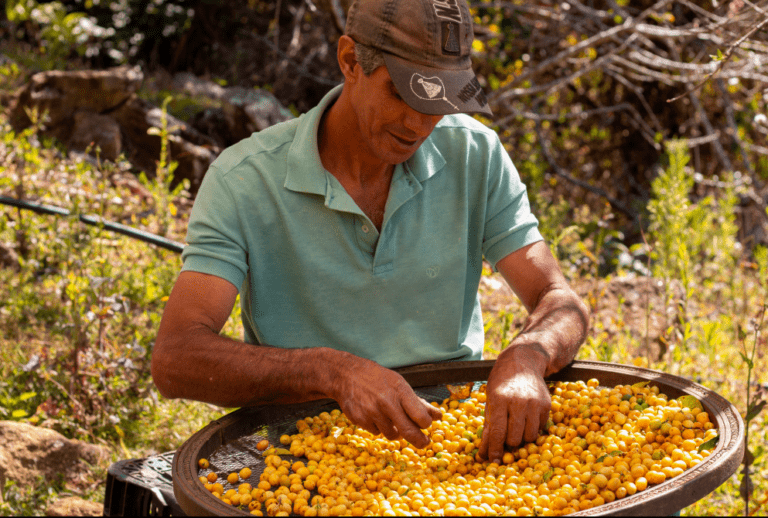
(356, 235)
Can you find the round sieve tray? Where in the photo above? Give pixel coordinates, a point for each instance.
(229, 443)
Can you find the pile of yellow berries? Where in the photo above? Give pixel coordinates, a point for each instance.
(601, 444)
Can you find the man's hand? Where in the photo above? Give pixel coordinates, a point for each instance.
(381, 401)
(518, 401)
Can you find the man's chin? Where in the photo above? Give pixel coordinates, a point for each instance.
(398, 156)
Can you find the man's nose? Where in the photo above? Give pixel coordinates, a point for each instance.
(420, 123)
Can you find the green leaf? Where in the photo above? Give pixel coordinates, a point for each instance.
(708, 445)
(754, 410)
(690, 402)
(749, 362)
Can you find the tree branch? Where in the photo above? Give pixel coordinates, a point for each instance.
(545, 149)
(725, 58)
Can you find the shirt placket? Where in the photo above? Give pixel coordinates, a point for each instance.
(404, 187)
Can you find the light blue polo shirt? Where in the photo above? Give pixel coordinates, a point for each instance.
(313, 270)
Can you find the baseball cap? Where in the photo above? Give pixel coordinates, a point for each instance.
(426, 46)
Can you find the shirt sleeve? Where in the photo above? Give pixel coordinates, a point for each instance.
(215, 241)
(510, 224)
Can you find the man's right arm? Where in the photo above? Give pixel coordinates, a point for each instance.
(191, 360)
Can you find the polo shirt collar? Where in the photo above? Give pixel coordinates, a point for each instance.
(305, 169)
(427, 161)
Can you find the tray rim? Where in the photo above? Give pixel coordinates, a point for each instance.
(656, 500)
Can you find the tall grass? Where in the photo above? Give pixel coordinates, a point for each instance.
(80, 307)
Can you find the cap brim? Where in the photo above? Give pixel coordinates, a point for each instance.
(436, 91)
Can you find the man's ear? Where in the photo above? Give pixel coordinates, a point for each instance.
(346, 57)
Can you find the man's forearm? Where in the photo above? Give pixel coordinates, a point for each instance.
(204, 366)
(554, 331)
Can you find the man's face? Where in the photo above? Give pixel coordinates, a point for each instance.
(391, 129)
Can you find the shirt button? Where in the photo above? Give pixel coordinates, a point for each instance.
(365, 228)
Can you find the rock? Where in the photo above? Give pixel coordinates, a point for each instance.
(62, 93)
(74, 506)
(192, 150)
(195, 86)
(100, 107)
(248, 110)
(213, 123)
(27, 452)
(244, 110)
(101, 131)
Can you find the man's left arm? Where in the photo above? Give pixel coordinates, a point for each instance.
(518, 401)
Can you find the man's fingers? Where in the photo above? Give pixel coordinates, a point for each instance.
(370, 426)
(544, 416)
(387, 429)
(419, 411)
(409, 430)
(515, 429)
(496, 440)
(494, 434)
(410, 414)
(435, 413)
(531, 427)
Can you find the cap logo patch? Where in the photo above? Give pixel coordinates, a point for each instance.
(429, 88)
(447, 10)
(450, 39)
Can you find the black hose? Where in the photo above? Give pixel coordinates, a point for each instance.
(96, 221)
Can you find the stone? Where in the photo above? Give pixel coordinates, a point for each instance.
(193, 151)
(74, 506)
(92, 129)
(62, 93)
(28, 452)
(195, 86)
(247, 110)
(213, 123)
(101, 107)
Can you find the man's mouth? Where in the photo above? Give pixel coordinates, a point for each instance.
(404, 141)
